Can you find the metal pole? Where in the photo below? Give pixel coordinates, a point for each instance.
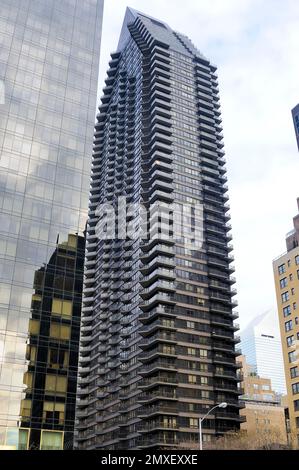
(200, 434)
(200, 425)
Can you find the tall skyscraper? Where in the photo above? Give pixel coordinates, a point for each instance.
(157, 338)
(49, 62)
(295, 114)
(286, 275)
(261, 344)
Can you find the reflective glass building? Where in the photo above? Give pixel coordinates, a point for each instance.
(157, 344)
(295, 115)
(49, 60)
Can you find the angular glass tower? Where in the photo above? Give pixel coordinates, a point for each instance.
(48, 74)
(295, 115)
(157, 344)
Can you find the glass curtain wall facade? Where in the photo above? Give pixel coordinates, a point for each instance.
(157, 343)
(48, 72)
(295, 115)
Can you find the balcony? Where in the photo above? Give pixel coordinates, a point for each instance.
(230, 416)
(148, 355)
(145, 411)
(157, 395)
(157, 380)
(219, 359)
(158, 261)
(150, 426)
(161, 196)
(157, 365)
(167, 324)
(168, 274)
(159, 337)
(146, 317)
(158, 249)
(160, 441)
(157, 299)
(157, 286)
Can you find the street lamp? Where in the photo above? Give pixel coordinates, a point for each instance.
(220, 405)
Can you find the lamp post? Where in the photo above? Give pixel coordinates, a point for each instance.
(220, 405)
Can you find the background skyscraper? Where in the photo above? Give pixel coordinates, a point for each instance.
(157, 338)
(260, 343)
(49, 62)
(295, 114)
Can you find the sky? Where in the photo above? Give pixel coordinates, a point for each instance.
(254, 44)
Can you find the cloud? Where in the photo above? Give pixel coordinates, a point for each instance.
(255, 46)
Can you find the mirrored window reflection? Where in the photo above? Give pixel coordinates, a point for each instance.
(49, 64)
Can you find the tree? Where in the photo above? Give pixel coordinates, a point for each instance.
(264, 439)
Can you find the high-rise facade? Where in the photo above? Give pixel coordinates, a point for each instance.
(261, 344)
(49, 62)
(157, 338)
(286, 275)
(295, 114)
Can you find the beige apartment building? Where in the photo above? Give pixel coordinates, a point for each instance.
(286, 275)
(263, 411)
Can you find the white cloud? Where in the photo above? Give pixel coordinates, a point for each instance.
(255, 46)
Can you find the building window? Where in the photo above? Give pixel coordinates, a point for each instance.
(288, 325)
(26, 409)
(205, 394)
(17, 438)
(283, 283)
(51, 440)
(287, 311)
(290, 341)
(31, 353)
(289, 262)
(295, 305)
(296, 321)
(282, 269)
(295, 388)
(192, 379)
(292, 356)
(297, 259)
(296, 405)
(34, 327)
(267, 397)
(293, 291)
(294, 372)
(62, 307)
(53, 413)
(191, 325)
(285, 296)
(193, 423)
(191, 352)
(203, 353)
(291, 277)
(56, 384)
(57, 358)
(58, 331)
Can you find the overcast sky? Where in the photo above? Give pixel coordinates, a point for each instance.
(255, 44)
